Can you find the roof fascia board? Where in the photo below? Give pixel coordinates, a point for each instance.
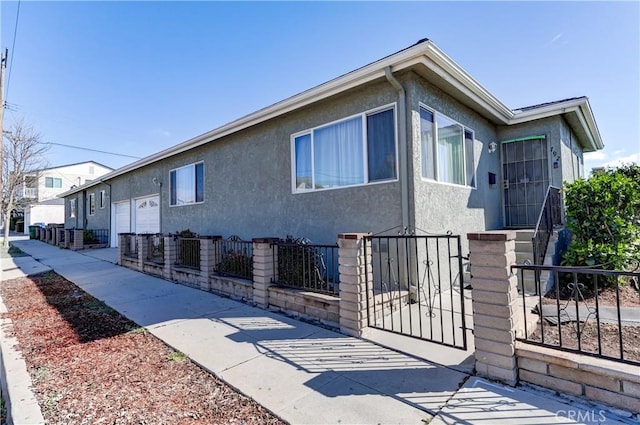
(580, 107)
(439, 61)
(353, 79)
(425, 53)
(487, 103)
(443, 66)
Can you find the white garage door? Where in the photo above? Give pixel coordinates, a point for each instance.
(147, 215)
(121, 222)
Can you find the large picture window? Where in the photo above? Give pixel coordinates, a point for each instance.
(72, 208)
(353, 151)
(447, 150)
(187, 185)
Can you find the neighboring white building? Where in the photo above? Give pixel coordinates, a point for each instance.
(43, 187)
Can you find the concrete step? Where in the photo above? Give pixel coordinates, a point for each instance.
(524, 246)
(522, 257)
(524, 234)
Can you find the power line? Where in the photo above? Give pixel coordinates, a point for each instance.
(93, 150)
(13, 48)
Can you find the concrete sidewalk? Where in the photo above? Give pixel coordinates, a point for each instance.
(303, 373)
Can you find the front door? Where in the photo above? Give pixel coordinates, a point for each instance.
(525, 176)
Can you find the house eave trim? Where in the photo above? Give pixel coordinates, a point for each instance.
(580, 108)
(424, 54)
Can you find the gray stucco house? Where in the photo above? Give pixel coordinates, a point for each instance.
(409, 140)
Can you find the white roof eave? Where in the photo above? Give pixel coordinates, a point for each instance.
(422, 54)
(579, 107)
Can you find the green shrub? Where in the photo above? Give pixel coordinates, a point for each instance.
(603, 213)
(89, 238)
(235, 262)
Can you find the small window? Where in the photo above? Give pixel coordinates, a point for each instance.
(103, 198)
(52, 182)
(353, 151)
(447, 150)
(92, 203)
(72, 208)
(187, 185)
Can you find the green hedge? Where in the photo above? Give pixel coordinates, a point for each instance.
(603, 213)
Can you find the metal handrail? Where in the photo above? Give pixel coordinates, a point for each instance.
(550, 216)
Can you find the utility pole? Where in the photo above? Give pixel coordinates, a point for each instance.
(3, 66)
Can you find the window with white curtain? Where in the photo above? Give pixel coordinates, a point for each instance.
(187, 185)
(353, 151)
(447, 149)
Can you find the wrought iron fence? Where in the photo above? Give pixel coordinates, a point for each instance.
(95, 236)
(585, 312)
(550, 216)
(130, 246)
(188, 253)
(417, 286)
(155, 248)
(236, 258)
(303, 265)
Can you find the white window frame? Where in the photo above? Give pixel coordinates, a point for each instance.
(365, 156)
(103, 199)
(91, 201)
(434, 155)
(194, 189)
(53, 180)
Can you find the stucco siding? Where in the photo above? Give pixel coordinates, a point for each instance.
(100, 218)
(570, 154)
(440, 207)
(248, 187)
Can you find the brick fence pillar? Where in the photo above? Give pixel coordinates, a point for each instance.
(264, 271)
(170, 255)
(143, 250)
(122, 242)
(353, 282)
(67, 238)
(209, 248)
(78, 239)
(60, 237)
(495, 304)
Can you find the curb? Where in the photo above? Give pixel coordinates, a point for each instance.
(20, 401)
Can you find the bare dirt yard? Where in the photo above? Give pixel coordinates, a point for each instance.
(90, 365)
(606, 338)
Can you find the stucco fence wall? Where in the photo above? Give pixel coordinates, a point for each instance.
(499, 317)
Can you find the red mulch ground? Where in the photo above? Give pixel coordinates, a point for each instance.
(90, 365)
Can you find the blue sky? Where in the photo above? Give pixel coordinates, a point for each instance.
(137, 77)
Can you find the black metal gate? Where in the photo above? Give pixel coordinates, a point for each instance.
(417, 287)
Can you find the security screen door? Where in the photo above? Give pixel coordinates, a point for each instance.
(525, 174)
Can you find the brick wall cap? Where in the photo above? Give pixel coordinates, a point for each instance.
(264, 240)
(352, 235)
(492, 235)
